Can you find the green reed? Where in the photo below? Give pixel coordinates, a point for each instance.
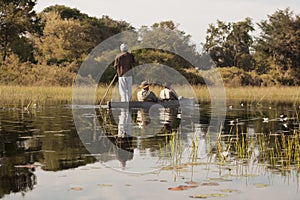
(194, 149)
(276, 151)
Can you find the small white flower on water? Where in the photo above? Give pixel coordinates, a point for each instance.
(265, 120)
(283, 117)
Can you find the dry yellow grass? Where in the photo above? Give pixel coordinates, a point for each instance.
(22, 96)
(253, 94)
(19, 95)
(258, 94)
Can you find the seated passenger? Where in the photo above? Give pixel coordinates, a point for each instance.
(145, 94)
(168, 93)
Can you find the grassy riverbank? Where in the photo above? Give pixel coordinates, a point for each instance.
(257, 94)
(23, 96)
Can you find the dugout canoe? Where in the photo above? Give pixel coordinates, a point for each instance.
(140, 104)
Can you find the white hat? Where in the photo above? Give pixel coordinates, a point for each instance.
(123, 47)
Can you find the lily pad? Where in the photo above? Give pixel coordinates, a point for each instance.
(204, 196)
(182, 187)
(152, 180)
(105, 185)
(261, 185)
(76, 188)
(229, 190)
(210, 184)
(163, 181)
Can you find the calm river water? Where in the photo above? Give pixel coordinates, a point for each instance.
(47, 152)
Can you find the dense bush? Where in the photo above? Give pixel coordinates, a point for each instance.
(14, 72)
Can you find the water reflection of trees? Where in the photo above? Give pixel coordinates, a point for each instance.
(20, 180)
(45, 139)
(12, 177)
(14, 151)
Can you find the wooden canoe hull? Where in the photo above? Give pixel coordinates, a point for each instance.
(140, 104)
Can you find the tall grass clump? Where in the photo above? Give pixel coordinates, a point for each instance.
(21, 95)
(253, 94)
(17, 96)
(276, 151)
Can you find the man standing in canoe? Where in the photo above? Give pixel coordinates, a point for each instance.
(123, 64)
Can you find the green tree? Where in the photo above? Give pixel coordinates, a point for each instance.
(97, 29)
(278, 46)
(70, 35)
(62, 40)
(171, 47)
(229, 44)
(66, 12)
(166, 35)
(17, 19)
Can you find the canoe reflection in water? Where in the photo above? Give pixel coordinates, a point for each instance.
(138, 130)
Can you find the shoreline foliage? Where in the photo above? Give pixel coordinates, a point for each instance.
(48, 48)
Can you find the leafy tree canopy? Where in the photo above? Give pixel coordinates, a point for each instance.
(17, 19)
(278, 46)
(229, 44)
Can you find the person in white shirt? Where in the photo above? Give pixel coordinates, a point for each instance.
(168, 93)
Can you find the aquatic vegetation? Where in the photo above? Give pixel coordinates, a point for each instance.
(239, 151)
(278, 151)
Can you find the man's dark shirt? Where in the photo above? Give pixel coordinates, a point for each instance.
(123, 63)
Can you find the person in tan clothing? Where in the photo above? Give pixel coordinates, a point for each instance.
(145, 94)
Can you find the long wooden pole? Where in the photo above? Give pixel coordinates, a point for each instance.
(108, 89)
